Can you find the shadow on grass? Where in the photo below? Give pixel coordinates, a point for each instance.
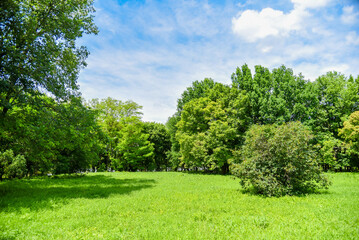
(39, 193)
(252, 192)
(200, 172)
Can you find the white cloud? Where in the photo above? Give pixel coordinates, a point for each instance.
(267, 49)
(150, 55)
(342, 68)
(349, 16)
(253, 25)
(352, 38)
(309, 3)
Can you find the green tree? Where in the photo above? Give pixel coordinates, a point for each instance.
(350, 133)
(136, 151)
(160, 138)
(38, 48)
(12, 166)
(58, 137)
(334, 154)
(197, 90)
(279, 160)
(338, 98)
(174, 154)
(113, 115)
(211, 128)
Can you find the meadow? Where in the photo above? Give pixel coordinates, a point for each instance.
(172, 205)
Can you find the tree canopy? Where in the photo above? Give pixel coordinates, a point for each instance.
(38, 48)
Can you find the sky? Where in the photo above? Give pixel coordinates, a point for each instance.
(151, 51)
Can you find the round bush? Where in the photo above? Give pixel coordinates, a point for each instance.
(279, 160)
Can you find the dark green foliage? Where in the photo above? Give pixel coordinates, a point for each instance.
(160, 138)
(53, 136)
(279, 160)
(174, 154)
(12, 166)
(135, 150)
(275, 97)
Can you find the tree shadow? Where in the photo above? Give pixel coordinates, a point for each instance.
(36, 194)
(302, 194)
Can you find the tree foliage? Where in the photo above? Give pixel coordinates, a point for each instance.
(38, 48)
(160, 138)
(350, 133)
(60, 137)
(211, 128)
(12, 166)
(125, 145)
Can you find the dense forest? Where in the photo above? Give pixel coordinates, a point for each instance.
(47, 128)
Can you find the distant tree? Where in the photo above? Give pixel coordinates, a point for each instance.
(38, 49)
(211, 128)
(337, 99)
(334, 154)
(113, 115)
(135, 150)
(174, 154)
(197, 90)
(279, 160)
(126, 144)
(350, 133)
(160, 138)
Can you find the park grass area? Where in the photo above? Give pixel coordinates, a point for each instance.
(172, 205)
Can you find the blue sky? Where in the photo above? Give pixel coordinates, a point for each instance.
(151, 51)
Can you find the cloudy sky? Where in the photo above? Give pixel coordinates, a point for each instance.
(151, 51)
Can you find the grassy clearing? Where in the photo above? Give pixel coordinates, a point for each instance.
(172, 206)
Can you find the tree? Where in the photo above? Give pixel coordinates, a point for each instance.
(135, 150)
(350, 133)
(38, 47)
(334, 154)
(113, 115)
(126, 145)
(279, 160)
(58, 137)
(338, 98)
(159, 137)
(211, 128)
(197, 90)
(174, 154)
(12, 166)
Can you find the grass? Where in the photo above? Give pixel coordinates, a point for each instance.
(172, 206)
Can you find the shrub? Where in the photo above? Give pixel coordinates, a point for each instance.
(12, 166)
(279, 160)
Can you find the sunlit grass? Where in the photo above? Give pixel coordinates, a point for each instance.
(172, 206)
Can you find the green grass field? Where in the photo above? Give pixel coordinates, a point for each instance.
(172, 206)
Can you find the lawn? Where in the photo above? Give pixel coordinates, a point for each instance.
(161, 205)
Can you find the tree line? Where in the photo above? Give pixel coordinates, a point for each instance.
(208, 130)
(46, 127)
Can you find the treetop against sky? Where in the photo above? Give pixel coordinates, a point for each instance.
(150, 51)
